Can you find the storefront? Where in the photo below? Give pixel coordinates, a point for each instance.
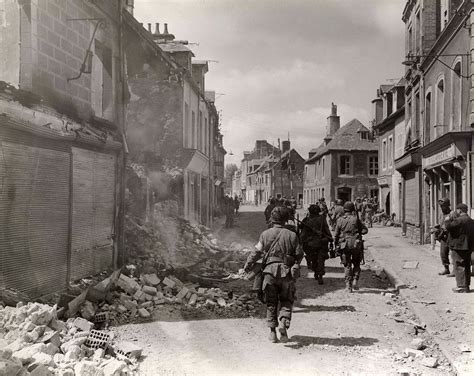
(444, 164)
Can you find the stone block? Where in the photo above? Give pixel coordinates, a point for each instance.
(128, 349)
(127, 284)
(150, 290)
(87, 368)
(146, 305)
(202, 291)
(88, 310)
(151, 279)
(188, 295)
(430, 362)
(168, 282)
(182, 293)
(139, 296)
(414, 353)
(417, 344)
(193, 299)
(83, 324)
(144, 313)
(210, 302)
(114, 368)
(159, 301)
(41, 370)
(221, 302)
(25, 355)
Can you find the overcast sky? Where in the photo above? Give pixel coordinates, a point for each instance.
(280, 64)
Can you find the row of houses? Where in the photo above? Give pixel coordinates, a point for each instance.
(269, 171)
(95, 109)
(424, 121)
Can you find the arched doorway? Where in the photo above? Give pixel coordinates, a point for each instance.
(388, 208)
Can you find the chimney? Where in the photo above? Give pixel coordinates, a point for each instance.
(285, 146)
(333, 121)
(157, 28)
(149, 27)
(129, 5)
(166, 29)
(165, 36)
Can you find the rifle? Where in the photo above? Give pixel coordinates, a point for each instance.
(359, 230)
(317, 232)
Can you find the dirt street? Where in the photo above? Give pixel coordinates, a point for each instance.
(332, 332)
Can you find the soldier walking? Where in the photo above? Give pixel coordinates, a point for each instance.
(281, 255)
(348, 238)
(315, 237)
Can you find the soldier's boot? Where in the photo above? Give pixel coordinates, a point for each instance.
(355, 284)
(348, 286)
(282, 328)
(273, 336)
(445, 271)
(320, 279)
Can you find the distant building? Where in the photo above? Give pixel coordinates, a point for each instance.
(345, 166)
(389, 126)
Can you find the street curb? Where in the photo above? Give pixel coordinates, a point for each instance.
(400, 286)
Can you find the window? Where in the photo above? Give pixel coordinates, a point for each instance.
(187, 139)
(427, 129)
(101, 81)
(200, 134)
(193, 130)
(417, 43)
(373, 165)
(416, 117)
(390, 151)
(439, 120)
(364, 135)
(322, 192)
(323, 167)
(384, 154)
(345, 165)
(410, 40)
(455, 122)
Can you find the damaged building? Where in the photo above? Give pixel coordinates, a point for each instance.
(61, 142)
(173, 125)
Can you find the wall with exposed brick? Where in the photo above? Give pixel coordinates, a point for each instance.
(53, 48)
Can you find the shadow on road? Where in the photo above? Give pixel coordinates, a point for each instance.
(305, 308)
(303, 341)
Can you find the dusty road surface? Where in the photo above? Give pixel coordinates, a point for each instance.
(332, 332)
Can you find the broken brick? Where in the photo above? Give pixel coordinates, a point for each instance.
(182, 293)
(168, 282)
(430, 362)
(151, 279)
(150, 290)
(83, 324)
(143, 313)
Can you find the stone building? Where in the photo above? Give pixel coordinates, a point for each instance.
(438, 112)
(62, 142)
(250, 163)
(389, 126)
(344, 166)
(172, 124)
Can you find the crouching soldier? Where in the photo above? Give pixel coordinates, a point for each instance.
(348, 238)
(315, 237)
(279, 249)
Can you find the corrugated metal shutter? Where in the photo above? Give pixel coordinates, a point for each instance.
(93, 212)
(412, 199)
(34, 218)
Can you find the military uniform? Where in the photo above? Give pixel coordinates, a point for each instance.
(346, 237)
(278, 282)
(461, 242)
(315, 236)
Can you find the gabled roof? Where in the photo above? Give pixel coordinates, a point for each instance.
(346, 138)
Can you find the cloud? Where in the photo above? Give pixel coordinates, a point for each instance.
(306, 128)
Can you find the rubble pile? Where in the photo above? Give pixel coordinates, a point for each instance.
(39, 344)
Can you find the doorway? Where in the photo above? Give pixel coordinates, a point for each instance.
(344, 194)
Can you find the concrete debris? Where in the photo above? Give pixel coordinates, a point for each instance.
(418, 344)
(414, 353)
(410, 265)
(430, 361)
(38, 344)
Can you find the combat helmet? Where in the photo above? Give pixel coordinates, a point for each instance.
(349, 206)
(279, 215)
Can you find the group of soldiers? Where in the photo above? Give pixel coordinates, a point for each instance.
(455, 233)
(231, 208)
(287, 241)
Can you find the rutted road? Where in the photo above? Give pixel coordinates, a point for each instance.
(332, 332)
